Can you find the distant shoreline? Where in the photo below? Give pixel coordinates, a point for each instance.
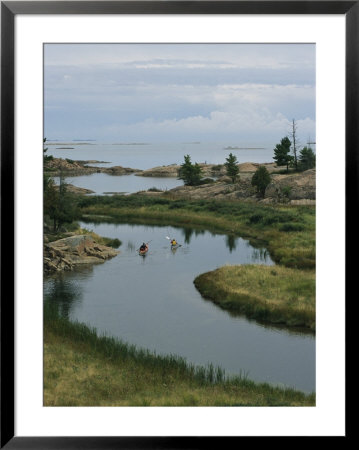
(244, 148)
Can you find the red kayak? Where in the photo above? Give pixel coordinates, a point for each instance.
(144, 251)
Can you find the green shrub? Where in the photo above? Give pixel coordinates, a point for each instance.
(261, 179)
(291, 227)
(255, 218)
(114, 243)
(286, 190)
(177, 205)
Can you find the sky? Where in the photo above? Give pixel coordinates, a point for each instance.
(245, 93)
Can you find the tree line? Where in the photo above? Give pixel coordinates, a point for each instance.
(287, 153)
(192, 174)
(59, 204)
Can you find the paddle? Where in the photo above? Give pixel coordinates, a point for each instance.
(177, 245)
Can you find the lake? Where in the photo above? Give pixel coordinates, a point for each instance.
(151, 302)
(104, 184)
(146, 156)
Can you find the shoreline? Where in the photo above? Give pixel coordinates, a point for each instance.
(262, 225)
(272, 295)
(297, 188)
(164, 381)
(266, 224)
(82, 368)
(65, 253)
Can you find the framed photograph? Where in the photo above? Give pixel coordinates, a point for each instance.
(197, 150)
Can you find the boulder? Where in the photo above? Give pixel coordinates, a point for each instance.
(287, 188)
(72, 251)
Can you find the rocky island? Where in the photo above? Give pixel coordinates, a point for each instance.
(57, 166)
(294, 188)
(72, 251)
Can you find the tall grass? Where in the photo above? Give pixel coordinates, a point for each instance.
(271, 294)
(84, 369)
(114, 349)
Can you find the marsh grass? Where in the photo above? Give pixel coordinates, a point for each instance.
(84, 369)
(287, 231)
(268, 293)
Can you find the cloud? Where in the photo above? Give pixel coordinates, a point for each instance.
(170, 90)
(250, 125)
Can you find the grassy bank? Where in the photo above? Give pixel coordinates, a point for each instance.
(269, 294)
(288, 232)
(83, 369)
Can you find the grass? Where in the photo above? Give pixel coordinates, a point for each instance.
(84, 369)
(288, 232)
(154, 189)
(267, 293)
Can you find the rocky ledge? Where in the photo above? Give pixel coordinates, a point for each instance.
(67, 253)
(296, 189)
(76, 190)
(57, 166)
(208, 170)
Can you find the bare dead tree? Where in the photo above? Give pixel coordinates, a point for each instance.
(295, 142)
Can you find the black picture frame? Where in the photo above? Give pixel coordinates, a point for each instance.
(9, 9)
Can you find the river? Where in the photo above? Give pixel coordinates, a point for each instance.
(151, 302)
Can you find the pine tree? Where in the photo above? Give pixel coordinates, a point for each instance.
(281, 153)
(261, 179)
(232, 167)
(306, 158)
(190, 173)
(59, 204)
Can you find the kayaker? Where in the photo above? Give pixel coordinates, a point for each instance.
(143, 247)
(173, 242)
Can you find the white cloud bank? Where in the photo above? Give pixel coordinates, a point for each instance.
(179, 92)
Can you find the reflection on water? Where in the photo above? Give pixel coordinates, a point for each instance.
(151, 302)
(63, 293)
(260, 253)
(231, 242)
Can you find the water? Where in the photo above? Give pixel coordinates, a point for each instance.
(151, 302)
(104, 184)
(145, 156)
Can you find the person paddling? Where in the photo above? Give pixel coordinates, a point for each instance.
(143, 247)
(173, 242)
